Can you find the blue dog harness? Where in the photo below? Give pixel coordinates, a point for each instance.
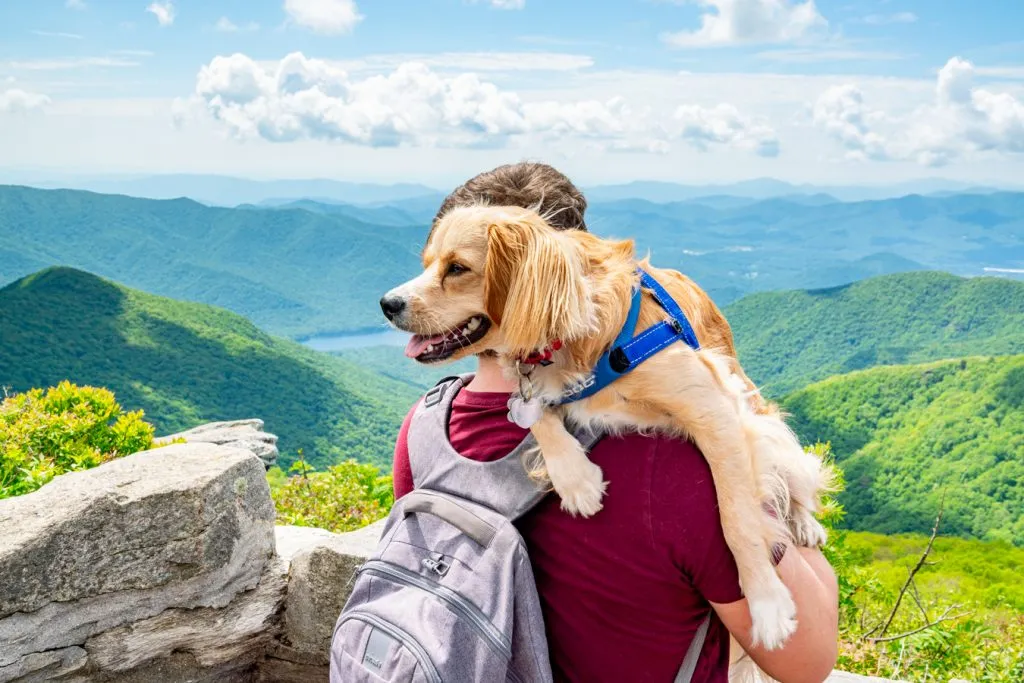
(627, 351)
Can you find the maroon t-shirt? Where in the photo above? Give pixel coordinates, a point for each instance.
(623, 591)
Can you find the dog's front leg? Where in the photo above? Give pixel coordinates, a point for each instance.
(703, 409)
(577, 481)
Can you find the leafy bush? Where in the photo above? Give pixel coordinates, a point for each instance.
(45, 433)
(344, 497)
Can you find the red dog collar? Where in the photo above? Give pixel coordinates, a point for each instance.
(543, 357)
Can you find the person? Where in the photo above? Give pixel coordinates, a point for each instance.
(624, 592)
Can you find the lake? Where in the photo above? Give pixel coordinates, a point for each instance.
(342, 342)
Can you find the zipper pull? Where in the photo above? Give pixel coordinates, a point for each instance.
(436, 563)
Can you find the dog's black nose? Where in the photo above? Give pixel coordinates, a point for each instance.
(392, 306)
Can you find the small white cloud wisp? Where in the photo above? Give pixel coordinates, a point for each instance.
(742, 22)
(163, 11)
(328, 17)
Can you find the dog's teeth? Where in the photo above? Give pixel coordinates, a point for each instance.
(473, 324)
(465, 331)
(430, 347)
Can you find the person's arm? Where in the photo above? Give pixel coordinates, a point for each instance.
(810, 653)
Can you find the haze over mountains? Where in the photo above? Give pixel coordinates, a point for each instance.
(231, 191)
(307, 267)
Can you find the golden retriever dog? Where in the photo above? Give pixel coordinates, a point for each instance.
(500, 279)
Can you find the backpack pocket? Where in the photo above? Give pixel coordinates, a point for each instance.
(405, 627)
(388, 653)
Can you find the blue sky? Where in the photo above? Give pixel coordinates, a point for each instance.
(698, 90)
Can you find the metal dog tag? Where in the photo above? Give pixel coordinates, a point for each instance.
(524, 414)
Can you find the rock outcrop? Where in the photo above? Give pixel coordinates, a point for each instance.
(163, 566)
(244, 434)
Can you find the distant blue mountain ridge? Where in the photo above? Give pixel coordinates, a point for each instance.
(308, 267)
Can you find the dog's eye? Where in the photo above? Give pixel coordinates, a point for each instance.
(456, 269)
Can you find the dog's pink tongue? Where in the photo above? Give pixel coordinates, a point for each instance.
(418, 344)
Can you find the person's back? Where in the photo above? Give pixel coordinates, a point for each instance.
(622, 592)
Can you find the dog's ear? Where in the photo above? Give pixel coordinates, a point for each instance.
(535, 285)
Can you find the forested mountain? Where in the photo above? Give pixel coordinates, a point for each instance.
(787, 340)
(909, 437)
(186, 364)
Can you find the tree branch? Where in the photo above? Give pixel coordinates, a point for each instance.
(910, 579)
(941, 619)
(917, 599)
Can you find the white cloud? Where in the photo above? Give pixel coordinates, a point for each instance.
(414, 106)
(225, 25)
(15, 101)
(897, 18)
(962, 120)
(304, 98)
(508, 4)
(57, 34)
(163, 11)
(330, 17)
(74, 4)
(724, 125)
(69, 63)
(841, 112)
(736, 22)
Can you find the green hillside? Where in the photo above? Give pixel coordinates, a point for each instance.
(787, 340)
(906, 435)
(186, 363)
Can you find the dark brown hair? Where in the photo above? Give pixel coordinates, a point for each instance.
(527, 184)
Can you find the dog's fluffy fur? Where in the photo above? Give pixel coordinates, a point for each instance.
(536, 284)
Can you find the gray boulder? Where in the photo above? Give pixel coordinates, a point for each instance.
(245, 434)
(176, 528)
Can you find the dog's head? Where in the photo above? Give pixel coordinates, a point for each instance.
(494, 278)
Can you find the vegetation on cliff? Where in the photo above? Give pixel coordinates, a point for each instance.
(45, 433)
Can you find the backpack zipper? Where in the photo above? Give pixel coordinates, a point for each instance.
(490, 633)
(410, 643)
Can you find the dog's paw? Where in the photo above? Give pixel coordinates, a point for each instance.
(807, 531)
(581, 490)
(773, 620)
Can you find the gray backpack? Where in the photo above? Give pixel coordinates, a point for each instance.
(449, 596)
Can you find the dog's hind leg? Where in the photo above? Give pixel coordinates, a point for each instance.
(576, 480)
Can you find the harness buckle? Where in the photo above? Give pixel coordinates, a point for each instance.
(618, 360)
(675, 325)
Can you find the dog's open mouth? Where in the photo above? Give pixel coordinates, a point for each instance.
(442, 346)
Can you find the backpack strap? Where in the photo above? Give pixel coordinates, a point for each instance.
(689, 665)
(501, 485)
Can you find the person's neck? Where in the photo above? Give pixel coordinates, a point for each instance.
(490, 378)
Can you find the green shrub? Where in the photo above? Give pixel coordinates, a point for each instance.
(343, 497)
(45, 433)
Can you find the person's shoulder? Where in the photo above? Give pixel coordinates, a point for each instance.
(670, 448)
